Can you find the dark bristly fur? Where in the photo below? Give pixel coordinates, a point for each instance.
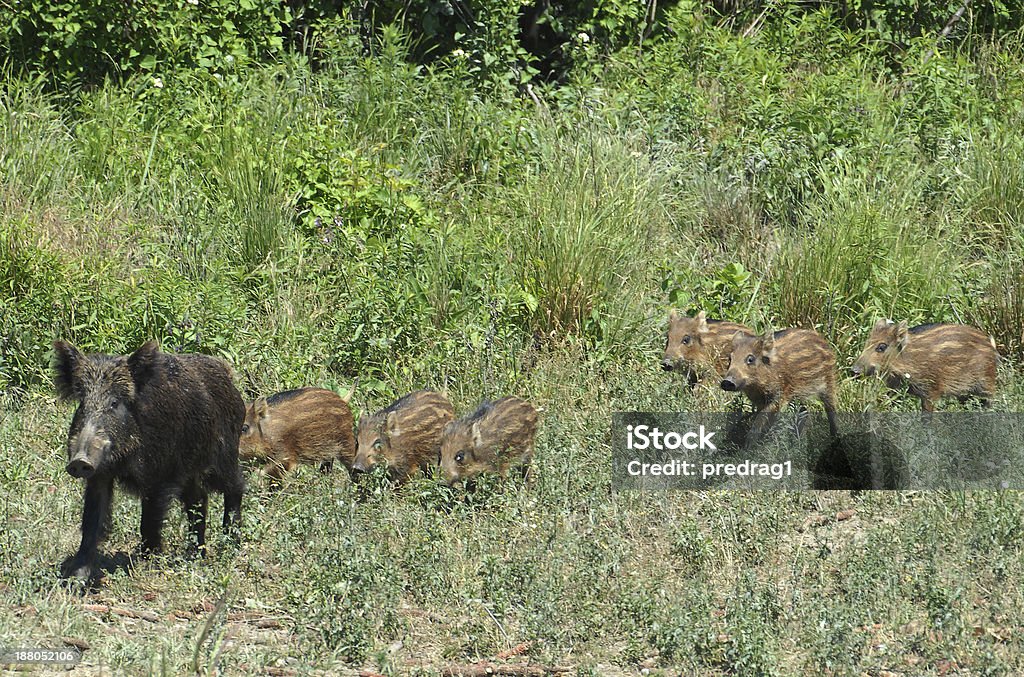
(406, 434)
(163, 426)
(932, 361)
(699, 347)
(780, 367)
(495, 437)
(306, 425)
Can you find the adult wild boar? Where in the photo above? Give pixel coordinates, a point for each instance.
(932, 360)
(305, 425)
(495, 437)
(699, 347)
(163, 426)
(780, 367)
(406, 435)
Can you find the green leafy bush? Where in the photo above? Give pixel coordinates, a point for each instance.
(80, 42)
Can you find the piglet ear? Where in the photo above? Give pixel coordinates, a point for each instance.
(673, 315)
(260, 408)
(141, 363)
(768, 347)
(67, 367)
(702, 322)
(391, 424)
(901, 334)
(477, 438)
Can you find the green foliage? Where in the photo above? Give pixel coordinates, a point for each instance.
(79, 42)
(382, 212)
(583, 220)
(864, 254)
(727, 295)
(351, 600)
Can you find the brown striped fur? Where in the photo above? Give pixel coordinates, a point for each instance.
(406, 435)
(780, 367)
(495, 437)
(932, 360)
(306, 425)
(699, 347)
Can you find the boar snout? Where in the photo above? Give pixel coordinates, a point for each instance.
(857, 370)
(729, 384)
(361, 466)
(87, 457)
(666, 364)
(80, 468)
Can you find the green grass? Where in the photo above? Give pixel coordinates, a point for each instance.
(377, 223)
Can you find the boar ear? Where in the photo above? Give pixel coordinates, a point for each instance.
(881, 324)
(477, 439)
(702, 322)
(673, 315)
(736, 338)
(67, 364)
(901, 334)
(140, 363)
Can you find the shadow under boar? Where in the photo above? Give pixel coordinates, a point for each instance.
(163, 426)
(932, 361)
(780, 367)
(306, 425)
(495, 437)
(699, 347)
(406, 435)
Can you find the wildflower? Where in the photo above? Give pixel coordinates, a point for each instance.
(158, 83)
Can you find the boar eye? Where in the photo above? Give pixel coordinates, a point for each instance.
(686, 340)
(882, 347)
(750, 359)
(460, 457)
(113, 405)
(377, 444)
(245, 428)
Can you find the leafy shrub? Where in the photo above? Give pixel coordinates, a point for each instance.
(727, 295)
(77, 42)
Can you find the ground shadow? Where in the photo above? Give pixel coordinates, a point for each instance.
(860, 461)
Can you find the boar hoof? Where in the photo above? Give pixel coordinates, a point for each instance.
(75, 570)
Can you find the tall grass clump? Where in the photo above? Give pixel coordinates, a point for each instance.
(38, 162)
(256, 212)
(866, 249)
(582, 220)
(989, 186)
(1000, 308)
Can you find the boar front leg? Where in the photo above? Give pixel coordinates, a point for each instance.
(95, 517)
